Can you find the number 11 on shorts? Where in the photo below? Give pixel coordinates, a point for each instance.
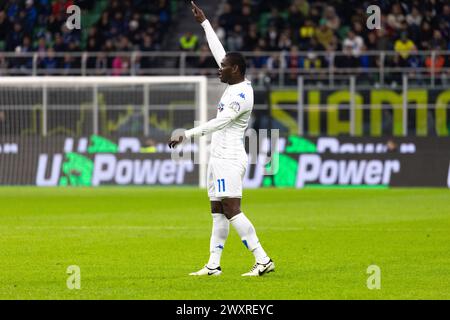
(219, 184)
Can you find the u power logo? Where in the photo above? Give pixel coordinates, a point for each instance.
(374, 20)
(74, 21)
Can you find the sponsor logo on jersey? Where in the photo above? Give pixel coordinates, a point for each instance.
(242, 95)
(220, 106)
(235, 106)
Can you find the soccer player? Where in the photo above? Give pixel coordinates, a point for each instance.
(228, 160)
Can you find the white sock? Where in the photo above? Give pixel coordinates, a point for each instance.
(247, 232)
(219, 234)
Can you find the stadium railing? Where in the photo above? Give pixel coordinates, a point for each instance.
(375, 68)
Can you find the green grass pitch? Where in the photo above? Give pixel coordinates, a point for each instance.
(140, 243)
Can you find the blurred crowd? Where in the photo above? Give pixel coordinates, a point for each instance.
(332, 25)
(337, 26)
(260, 27)
(40, 26)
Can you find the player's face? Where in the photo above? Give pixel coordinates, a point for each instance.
(225, 71)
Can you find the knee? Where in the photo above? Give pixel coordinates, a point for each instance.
(231, 209)
(216, 207)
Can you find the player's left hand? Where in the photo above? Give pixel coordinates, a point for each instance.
(174, 141)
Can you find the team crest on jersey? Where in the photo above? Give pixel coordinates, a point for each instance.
(220, 106)
(235, 106)
(242, 95)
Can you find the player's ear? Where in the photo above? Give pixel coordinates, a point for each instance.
(235, 68)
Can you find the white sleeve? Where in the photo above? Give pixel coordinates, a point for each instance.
(214, 43)
(225, 117)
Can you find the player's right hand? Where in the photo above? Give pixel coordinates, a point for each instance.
(176, 140)
(198, 13)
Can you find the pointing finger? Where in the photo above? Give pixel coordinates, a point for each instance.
(194, 5)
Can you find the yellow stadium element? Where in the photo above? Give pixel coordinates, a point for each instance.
(442, 102)
(335, 126)
(282, 116)
(148, 150)
(377, 98)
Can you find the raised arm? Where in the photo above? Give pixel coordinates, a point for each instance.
(213, 41)
(230, 112)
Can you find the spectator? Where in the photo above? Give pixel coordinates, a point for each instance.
(347, 62)
(4, 25)
(414, 22)
(303, 7)
(358, 18)
(414, 19)
(101, 64)
(120, 65)
(332, 45)
(26, 45)
(164, 13)
(293, 64)
(307, 32)
(296, 18)
(324, 34)
(220, 32)
(49, 63)
(312, 61)
(438, 42)
(147, 62)
(30, 16)
(360, 30)
(189, 42)
(21, 62)
(235, 40)
(70, 65)
(272, 37)
(258, 65)
(14, 39)
(285, 42)
(446, 15)
(373, 61)
(59, 44)
(251, 39)
(41, 48)
(383, 41)
(355, 42)
(227, 18)
(60, 6)
(134, 33)
(331, 19)
(426, 33)
(259, 60)
(315, 13)
(275, 20)
(93, 44)
(404, 47)
(273, 66)
(396, 17)
(246, 18)
(437, 66)
(206, 61)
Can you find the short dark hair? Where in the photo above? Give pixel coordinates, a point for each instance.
(238, 59)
